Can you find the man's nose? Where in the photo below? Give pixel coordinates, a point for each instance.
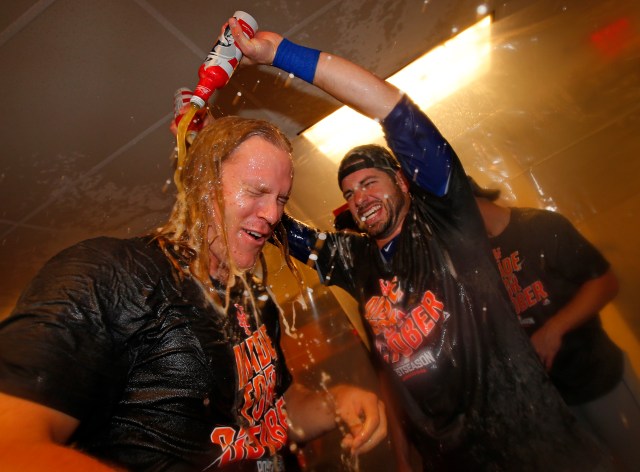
(359, 196)
(270, 211)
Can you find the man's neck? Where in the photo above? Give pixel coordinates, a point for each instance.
(218, 271)
(383, 241)
(496, 218)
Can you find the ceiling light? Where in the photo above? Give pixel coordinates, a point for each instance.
(427, 80)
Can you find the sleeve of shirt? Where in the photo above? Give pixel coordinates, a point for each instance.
(301, 238)
(574, 256)
(55, 348)
(433, 169)
(424, 154)
(327, 252)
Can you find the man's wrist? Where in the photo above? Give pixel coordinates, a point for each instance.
(298, 60)
(558, 325)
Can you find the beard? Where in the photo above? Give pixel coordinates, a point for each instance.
(393, 207)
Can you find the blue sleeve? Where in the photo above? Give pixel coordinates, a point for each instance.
(300, 237)
(325, 252)
(425, 156)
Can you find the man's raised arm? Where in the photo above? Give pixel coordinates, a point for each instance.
(353, 85)
(424, 154)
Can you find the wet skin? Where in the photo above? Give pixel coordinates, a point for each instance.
(256, 183)
(377, 201)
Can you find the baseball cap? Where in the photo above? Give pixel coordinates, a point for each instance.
(367, 156)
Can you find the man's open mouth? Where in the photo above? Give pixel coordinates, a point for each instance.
(254, 234)
(370, 212)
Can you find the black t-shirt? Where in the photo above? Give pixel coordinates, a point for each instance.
(474, 394)
(109, 334)
(543, 261)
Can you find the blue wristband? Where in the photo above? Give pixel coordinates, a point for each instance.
(298, 60)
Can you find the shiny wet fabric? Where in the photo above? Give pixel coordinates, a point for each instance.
(109, 334)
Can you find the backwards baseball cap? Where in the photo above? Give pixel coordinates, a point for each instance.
(367, 156)
(490, 194)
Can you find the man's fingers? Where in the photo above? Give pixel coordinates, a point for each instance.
(363, 414)
(372, 434)
(239, 38)
(367, 435)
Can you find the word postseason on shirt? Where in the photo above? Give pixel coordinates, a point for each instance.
(402, 332)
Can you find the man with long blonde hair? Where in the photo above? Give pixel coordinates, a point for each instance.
(194, 229)
(162, 352)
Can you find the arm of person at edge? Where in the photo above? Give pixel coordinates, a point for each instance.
(427, 155)
(359, 411)
(592, 296)
(33, 438)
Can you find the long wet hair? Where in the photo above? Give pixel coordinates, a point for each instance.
(184, 238)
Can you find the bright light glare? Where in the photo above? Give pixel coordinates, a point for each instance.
(427, 80)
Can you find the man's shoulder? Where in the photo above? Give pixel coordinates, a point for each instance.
(111, 242)
(114, 246)
(405, 108)
(104, 251)
(538, 217)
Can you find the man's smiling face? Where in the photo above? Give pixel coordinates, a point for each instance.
(377, 200)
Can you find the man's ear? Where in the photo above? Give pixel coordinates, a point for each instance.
(402, 181)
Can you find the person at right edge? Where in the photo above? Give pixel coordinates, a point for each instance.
(558, 282)
(473, 394)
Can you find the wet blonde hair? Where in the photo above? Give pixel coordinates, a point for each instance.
(184, 237)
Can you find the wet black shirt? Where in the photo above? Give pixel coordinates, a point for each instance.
(473, 392)
(543, 261)
(108, 334)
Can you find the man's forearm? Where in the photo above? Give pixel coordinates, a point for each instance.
(348, 82)
(36, 457)
(592, 296)
(355, 86)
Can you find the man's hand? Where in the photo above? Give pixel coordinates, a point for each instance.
(592, 296)
(259, 50)
(364, 416)
(547, 342)
(359, 412)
